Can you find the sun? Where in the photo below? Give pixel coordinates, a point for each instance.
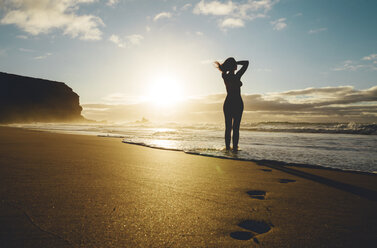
(164, 91)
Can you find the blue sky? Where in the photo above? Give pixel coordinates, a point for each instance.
(118, 51)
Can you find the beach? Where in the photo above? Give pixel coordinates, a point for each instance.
(65, 190)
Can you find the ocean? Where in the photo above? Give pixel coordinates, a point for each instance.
(347, 146)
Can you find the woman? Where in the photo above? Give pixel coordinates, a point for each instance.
(233, 105)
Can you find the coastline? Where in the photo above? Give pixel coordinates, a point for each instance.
(335, 151)
(262, 162)
(89, 191)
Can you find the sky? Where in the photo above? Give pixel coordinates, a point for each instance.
(311, 60)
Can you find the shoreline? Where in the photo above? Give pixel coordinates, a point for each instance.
(261, 161)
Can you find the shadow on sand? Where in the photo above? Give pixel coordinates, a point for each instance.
(362, 192)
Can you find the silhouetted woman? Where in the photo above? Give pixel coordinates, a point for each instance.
(233, 104)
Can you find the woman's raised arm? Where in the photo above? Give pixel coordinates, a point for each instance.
(245, 64)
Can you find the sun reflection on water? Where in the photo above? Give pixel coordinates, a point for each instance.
(168, 144)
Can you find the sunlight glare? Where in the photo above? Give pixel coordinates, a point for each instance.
(164, 90)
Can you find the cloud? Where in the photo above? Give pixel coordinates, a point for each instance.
(279, 24)
(162, 15)
(327, 96)
(316, 31)
(134, 39)
(116, 40)
(348, 65)
(233, 14)
(367, 63)
(112, 2)
(232, 23)
(370, 57)
(319, 91)
(42, 16)
(327, 104)
(129, 40)
(214, 8)
(186, 6)
(43, 56)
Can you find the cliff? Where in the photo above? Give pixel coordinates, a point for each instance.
(26, 99)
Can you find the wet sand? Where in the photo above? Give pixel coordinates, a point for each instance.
(61, 190)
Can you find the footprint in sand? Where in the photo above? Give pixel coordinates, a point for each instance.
(242, 235)
(257, 194)
(286, 180)
(254, 228)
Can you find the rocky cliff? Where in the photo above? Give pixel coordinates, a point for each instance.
(26, 99)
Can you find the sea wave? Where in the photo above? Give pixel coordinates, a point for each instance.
(344, 128)
(291, 127)
(174, 128)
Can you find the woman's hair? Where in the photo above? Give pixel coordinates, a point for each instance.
(228, 65)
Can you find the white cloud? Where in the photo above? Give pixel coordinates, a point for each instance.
(279, 24)
(116, 40)
(112, 2)
(232, 23)
(186, 6)
(370, 57)
(250, 9)
(367, 63)
(199, 33)
(162, 15)
(147, 28)
(233, 14)
(315, 31)
(42, 16)
(340, 90)
(134, 39)
(348, 65)
(129, 40)
(214, 8)
(43, 56)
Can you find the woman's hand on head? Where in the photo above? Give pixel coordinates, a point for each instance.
(243, 62)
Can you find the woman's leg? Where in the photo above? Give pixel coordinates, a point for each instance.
(236, 127)
(228, 125)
